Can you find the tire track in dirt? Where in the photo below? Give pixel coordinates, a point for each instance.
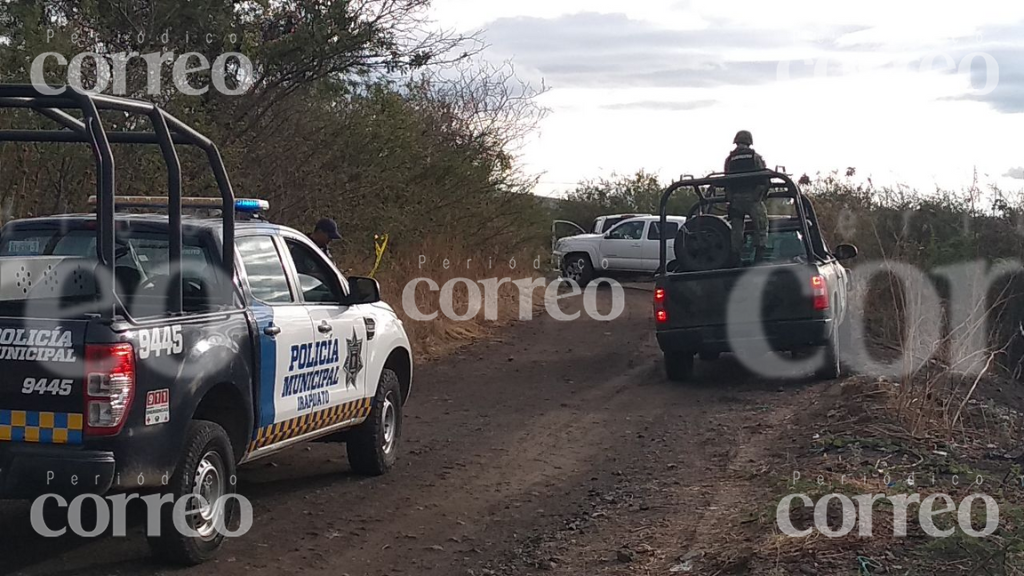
(695, 495)
(736, 496)
(556, 439)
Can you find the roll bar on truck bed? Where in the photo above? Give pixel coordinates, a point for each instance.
(705, 200)
(55, 102)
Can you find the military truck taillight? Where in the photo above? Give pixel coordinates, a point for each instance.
(819, 291)
(660, 315)
(109, 387)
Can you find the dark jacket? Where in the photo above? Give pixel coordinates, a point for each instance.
(325, 249)
(744, 159)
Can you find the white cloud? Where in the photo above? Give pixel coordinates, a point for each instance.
(474, 14)
(667, 105)
(664, 85)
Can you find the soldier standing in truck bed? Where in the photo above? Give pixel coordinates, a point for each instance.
(746, 197)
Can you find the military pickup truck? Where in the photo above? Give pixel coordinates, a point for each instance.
(794, 300)
(158, 351)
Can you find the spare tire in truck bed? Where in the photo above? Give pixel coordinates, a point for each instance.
(704, 242)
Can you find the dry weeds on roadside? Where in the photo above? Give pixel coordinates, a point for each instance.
(443, 262)
(930, 299)
(940, 365)
(851, 442)
(943, 235)
(953, 415)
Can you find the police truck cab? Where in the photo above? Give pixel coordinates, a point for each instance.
(144, 349)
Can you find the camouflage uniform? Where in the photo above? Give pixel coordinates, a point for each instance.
(746, 197)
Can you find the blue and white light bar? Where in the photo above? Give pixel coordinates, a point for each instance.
(244, 205)
(251, 205)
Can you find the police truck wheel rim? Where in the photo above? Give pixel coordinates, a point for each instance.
(389, 417)
(208, 513)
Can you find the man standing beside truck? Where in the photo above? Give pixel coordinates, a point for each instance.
(325, 231)
(746, 196)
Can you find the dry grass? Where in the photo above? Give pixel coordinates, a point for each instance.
(936, 306)
(864, 448)
(442, 262)
(939, 375)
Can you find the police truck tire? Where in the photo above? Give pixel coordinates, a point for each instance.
(373, 445)
(206, 467)
(679, 366)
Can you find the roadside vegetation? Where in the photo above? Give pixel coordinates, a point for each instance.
(928, 231)
(639, 193)
(363, 112)
(360, 111)
(954, 414)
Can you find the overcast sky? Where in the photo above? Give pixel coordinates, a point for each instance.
(885, 86)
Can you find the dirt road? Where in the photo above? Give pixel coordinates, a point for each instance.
(556, 447)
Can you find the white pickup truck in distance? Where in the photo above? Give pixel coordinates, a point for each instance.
(605, 223)
(631, 247)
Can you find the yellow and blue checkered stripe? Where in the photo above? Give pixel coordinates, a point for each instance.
(40, 427)
(310, 422)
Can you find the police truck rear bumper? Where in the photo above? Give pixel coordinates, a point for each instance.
(29, 470)
(781, 336)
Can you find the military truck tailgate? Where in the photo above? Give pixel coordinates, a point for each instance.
(699, 299)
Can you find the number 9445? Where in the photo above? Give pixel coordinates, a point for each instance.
(52, 386)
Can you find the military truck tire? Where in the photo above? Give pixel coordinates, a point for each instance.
(679, 366)
(704, 243)
(833, 367)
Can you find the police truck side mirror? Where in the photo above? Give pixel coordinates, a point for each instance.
(845, 252)
(362, 291)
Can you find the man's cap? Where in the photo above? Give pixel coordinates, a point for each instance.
(329, 227)
(743, 137)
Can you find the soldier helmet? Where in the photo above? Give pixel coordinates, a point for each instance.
(743, 137)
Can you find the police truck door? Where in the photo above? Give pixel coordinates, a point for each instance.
(341, 347)
(284, 330)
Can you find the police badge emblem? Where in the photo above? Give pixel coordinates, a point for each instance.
(354, 359)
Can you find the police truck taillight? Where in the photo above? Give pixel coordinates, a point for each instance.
(109, 387)
(660, 315)
(819, 292)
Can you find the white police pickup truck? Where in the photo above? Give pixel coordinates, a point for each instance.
(630, 247)
(155, 352)
(300, 353)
